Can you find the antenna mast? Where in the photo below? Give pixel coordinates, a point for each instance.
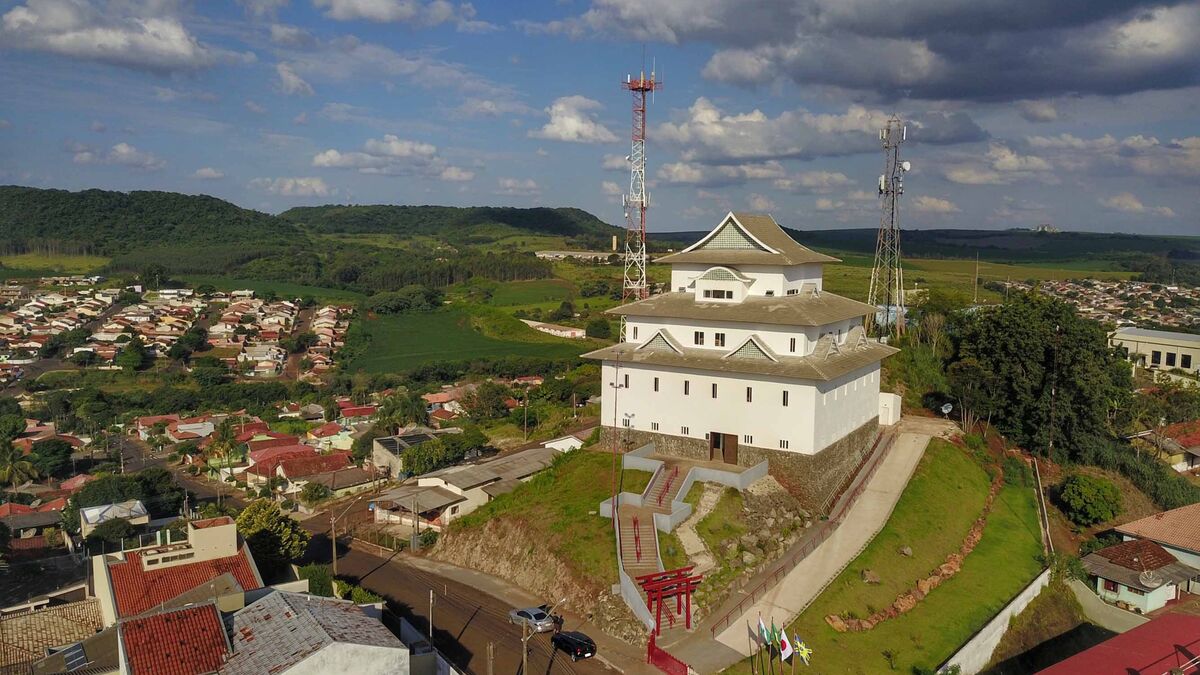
(636, 286)
(887, 277)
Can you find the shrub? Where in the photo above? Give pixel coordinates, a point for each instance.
(361, 596)
(1098, 542)
(428, 538)
(320, 581)
(1166, 487)
(1017, 472)
(1089, 500)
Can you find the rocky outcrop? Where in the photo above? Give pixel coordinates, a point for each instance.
(528, 563)
(909, 599)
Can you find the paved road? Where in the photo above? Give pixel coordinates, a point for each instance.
(466, 619)
(1103, 614)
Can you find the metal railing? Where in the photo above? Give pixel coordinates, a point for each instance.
(823, 532)
(666, 488)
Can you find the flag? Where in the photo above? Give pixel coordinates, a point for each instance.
(762, 631)
(774, 632)
(802, 650)
(785, 646)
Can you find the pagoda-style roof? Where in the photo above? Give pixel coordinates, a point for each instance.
(747, 239)
(809, 308)
(758, 361)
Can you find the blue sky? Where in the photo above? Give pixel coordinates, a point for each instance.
(1080, 114)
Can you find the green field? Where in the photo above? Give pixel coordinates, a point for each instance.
(932, 516)
(53, 264)
(282, 288)
(534, 292)
(401, 342)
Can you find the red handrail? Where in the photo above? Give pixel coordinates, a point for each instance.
(667, 486)
(637, 538)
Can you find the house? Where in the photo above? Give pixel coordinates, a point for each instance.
(28, 635)
(190, 429)
(308, 412)
(1138, 574)
(146, 426)
(331, 436)
(441, 417)
(92, 517)
(357, 413)
(1179, 444)
(556, 330)
(264, 464)
(212, 562)
(571, 441)
(1159, 349)
(387, 452)
(1177, 531)
(746, 358)
(528, 381)
(440, 496)
(1167, 644)
(29, 524)
(301, 470)
(292, 633)
(75, 483)
(187, 640)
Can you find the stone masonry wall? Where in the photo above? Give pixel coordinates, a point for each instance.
(812, 479)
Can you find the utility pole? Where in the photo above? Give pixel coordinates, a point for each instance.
(524, 648)
(527, 414)
(431, 616)
(491, 658)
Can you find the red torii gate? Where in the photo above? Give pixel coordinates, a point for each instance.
(661, 586)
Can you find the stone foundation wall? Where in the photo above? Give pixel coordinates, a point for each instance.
(813, 479)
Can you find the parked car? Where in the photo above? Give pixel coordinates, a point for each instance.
(536, 618)
(575, 644)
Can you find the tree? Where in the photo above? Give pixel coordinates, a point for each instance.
(84, 358)
(1089, 500)
(314, 493)
(10, 406)
(15, 469)
(599, 327)
(11, 426)
(274, 539)
(51, 457)
(209, 372)
(974, 388)
(111, 532)
(487, 402)
(153, 275)
(132, 356)
(399, 410)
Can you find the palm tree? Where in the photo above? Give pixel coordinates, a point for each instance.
(398, 410)
(224, 442)
(14, 468)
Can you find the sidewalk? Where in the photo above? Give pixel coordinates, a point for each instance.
(796, 590)
(1103, 614)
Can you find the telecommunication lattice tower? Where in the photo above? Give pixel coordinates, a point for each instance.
(636, 286)
(886, 292)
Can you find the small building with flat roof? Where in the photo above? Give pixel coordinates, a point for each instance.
(1159, 349)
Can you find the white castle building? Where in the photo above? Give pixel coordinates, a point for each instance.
(746, 357)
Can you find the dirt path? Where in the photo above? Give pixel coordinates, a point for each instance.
(692, 544)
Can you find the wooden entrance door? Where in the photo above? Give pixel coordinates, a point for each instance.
(730, 445)
(722, 447)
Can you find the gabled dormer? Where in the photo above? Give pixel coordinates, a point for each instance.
(745, 255)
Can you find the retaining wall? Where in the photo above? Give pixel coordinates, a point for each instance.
(974, 656)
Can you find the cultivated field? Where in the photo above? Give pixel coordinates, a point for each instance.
(53, 264)
(401, 342)
(283, 289)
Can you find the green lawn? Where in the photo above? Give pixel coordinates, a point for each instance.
(537, 291)
(282, 288)
(932, 516)
(54, 264)
(401, 342)
(560, 508)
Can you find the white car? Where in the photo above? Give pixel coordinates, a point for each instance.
(535, 617)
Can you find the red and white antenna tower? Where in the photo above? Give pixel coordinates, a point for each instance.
(636, 286)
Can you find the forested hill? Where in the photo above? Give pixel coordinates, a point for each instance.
(109, 223)
(448, 221)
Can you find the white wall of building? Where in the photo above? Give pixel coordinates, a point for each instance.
(773, 279)
(817, 414)
(776, 337)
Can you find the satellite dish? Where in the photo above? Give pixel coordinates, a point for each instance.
(946, 408)
(1150, 579)
(906, 165)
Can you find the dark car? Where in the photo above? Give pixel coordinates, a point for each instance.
(575, 644)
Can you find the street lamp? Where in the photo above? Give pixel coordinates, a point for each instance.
(333, 531)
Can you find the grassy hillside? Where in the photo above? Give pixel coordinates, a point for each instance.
(464, 225)
(103, 222)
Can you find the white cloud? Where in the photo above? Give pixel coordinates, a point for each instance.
(139, 35)
(614, 163)
(760, 203)
(1177, 159)
(301, 119)
(1038, 111)
(486, 107)
(827, 204)
(417, 12)
(294, 186)
(572, 121)
(291, 83)
(813, 181)
(610, 189)
(255, 107)
(263, 7)
(291, 36)
(208, 173)
(1127, 202)
(98, 126)
(122, 154)
(392, 155)
(681, 173)
(167, 94)
(927, 204)
(519, 187)
(1001, 165)
(4, 124)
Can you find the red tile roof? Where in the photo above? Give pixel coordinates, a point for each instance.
(137, 589)
(443, 414)
(1137, 555)
(212, 522)
(76, 482)
(326, 430)
(1178, 528)
(1186, 434)
(273, 441)
(151, 420)
(267, 454)
(188, 641)
(1152, 648)
(11, 508)
(309, 466)
(359, 411)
